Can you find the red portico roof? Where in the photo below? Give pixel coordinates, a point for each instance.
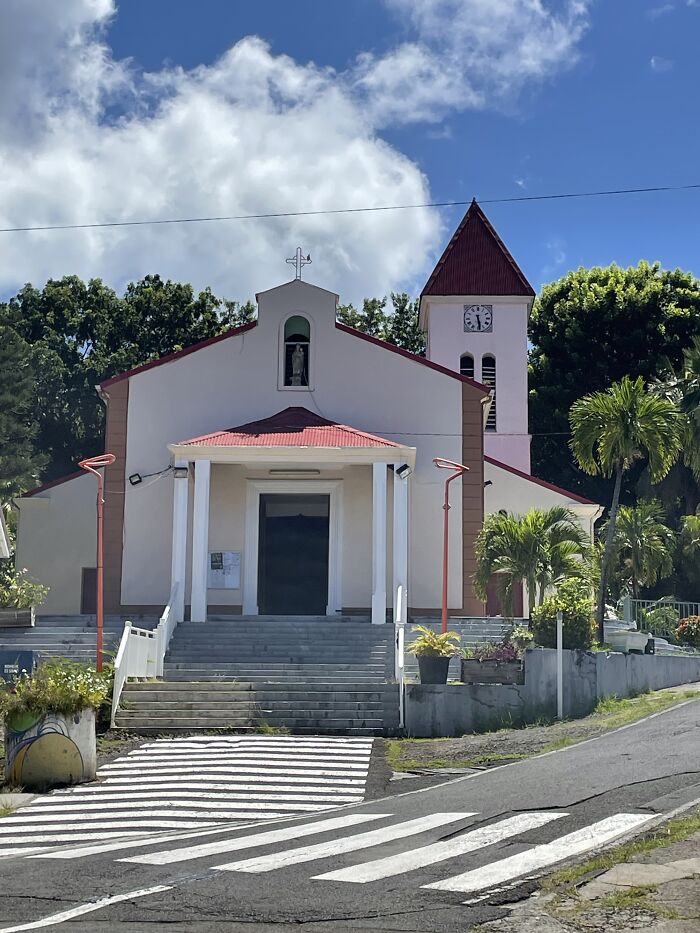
(293, 427)
(476, 262)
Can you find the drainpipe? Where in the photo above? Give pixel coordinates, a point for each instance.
(458, 470)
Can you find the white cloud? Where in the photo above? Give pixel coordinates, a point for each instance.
(86, 138)
(660, 65)
(656, 12)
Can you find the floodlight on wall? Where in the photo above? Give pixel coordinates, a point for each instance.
(489, 482)
(404, 471)
(135, 479)
(181, 472)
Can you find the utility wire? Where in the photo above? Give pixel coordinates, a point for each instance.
(346, 210)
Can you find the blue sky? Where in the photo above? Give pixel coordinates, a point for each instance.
(616, 106)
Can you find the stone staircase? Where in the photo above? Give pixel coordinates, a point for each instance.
(70, 637)
(308, 675)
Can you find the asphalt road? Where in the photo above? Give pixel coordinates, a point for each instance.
(487, 831)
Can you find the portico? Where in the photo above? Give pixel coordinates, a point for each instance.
(312, 498)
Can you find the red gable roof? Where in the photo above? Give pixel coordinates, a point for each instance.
(293, 427)
(476, 262)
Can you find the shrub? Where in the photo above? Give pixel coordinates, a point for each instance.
(19, 591)
(662, 621)
(57, 686)
(688, 631)
(493, 652)
(573, 599)
(434, 644)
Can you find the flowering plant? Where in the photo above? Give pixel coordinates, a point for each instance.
(688, 631)
(58, 686)
(505, 652)
(19, 591)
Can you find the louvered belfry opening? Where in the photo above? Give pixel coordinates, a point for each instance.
(466, 365)
(488, 377)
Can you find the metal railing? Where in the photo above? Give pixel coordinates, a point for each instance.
(632, 609)
(141, 651)
(400, 643)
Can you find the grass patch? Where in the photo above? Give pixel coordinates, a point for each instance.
(618, 712)
(397, 747)
(674, 831)
(560, 743)
(633, 898)
(265, 728)
(6, 810)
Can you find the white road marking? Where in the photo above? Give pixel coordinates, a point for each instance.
(80, 801)
(75, 818)
(89, 908)
(73, 837)
(440, 851)
(542, 856)
(230, 779)
(346, 844)
(172, 773)
(217, 847)
(226, 762)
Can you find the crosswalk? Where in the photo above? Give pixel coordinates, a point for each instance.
(415, 845)
(203, 785)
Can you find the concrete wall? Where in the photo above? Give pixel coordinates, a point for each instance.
(455, 709)
(57, 537)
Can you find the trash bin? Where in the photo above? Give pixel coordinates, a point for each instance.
(13, 662)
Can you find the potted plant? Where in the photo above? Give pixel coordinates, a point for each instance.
(433, 650)
(492, 664)
(49, 721)
(19, 597)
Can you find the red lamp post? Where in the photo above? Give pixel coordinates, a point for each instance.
(93, 465)
(458, 469)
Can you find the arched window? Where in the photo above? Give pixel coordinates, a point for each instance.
(488, 377)
(466, 365)
(297, 341)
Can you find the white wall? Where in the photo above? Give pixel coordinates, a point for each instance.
(236, 380)
(56, 538)
(507, 342)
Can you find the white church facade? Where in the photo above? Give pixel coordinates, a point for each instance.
(286, 467)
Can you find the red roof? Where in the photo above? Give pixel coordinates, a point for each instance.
(540, 482)
(476, 262)
(293, 427)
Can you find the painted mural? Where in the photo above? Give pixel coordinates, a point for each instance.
(49, 749)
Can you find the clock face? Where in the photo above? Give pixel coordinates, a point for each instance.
(478, 318)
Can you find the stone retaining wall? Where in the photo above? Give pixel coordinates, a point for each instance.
(454, 709)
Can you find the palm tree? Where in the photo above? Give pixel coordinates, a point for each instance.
(683, 388)
(643, 545)
(690, 535)
(539, 549)
(610, 431)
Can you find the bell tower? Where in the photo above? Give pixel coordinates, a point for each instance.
(474, 310)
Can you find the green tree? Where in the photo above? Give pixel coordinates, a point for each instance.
(612, 430)
(643, 546)
(588, 330)
(539, 548)
(399, 326)
(19, 464)
(682, 385)
(82, 333)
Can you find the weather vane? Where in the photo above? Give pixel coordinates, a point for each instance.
(299, 260)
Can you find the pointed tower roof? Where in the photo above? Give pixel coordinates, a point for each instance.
(476, 262)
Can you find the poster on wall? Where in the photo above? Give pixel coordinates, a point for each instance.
(224, 570)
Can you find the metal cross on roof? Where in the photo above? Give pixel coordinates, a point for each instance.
(299, 260)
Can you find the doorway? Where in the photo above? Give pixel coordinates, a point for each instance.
(293, 547)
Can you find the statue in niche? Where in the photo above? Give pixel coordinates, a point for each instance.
(297, 365)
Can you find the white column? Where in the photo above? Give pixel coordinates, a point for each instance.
(378, 543)
(179, 551)
(200, 540)
(400, 538)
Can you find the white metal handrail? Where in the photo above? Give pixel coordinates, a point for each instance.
(632, 608)
(142, 652)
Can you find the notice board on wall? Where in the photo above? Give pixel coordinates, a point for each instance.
(224, 570)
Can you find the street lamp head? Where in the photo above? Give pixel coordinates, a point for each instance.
(443, 464)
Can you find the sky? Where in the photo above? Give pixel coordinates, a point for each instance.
(125, 110)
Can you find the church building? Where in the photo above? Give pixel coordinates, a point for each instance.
(286, 467)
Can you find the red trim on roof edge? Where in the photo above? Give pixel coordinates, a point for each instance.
(233, 332)
(412, 356)
(540, 482)
(51, 484)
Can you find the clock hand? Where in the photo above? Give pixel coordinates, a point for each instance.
(478, 322)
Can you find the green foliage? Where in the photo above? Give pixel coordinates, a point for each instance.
(588, 330)
(521, 636)
(399, 326)
(643, 546)
(80, 333)
(661, 620)
(19, 591)
(434, 644)
(539, 548)
(682, 386)
(573, 599)
(20, 464)
(58, 686)
(688, 631)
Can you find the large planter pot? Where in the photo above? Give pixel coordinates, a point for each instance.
(21, 618)
(433, 670)
(492, 672)
(50, 749)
